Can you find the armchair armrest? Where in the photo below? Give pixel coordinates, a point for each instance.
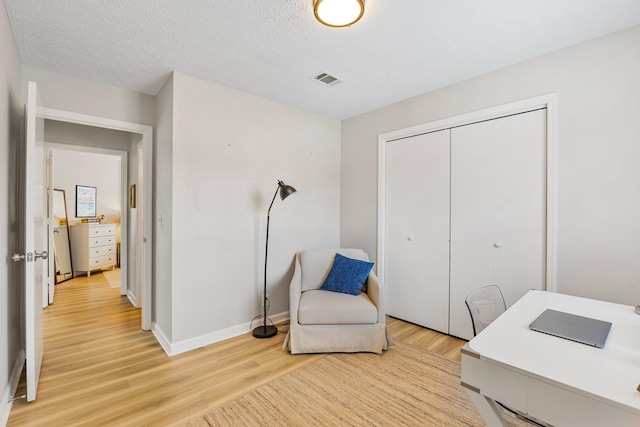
(295, 292)
(377, 294)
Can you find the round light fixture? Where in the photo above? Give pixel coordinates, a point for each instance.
(338, 13)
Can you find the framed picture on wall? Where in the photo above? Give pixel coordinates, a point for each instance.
(86, 201)
(132, 196)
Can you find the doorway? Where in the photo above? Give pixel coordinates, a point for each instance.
(140, 145)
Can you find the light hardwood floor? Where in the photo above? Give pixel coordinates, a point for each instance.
(100, 368)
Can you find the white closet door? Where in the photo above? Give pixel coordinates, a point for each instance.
(498, 205)
(417, 229)
(520, 209)
(471, 219)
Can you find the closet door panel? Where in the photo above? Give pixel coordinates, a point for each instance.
(498, 210)
(417, 229)
(400, 277)
(471, 219)
(520, 204)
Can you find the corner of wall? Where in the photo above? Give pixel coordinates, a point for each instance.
(162, 210)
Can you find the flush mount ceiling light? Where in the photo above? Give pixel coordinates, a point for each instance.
(338, 13)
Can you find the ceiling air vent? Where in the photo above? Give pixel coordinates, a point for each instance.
(327, 79)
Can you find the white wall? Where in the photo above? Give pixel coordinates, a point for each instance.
(598, 152)
(102, 171)
(10, 336)
(86, 136)
(162, 215)
(82, 96)
(229, 150)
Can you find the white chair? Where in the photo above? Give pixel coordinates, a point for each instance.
(485, 305)
(324, 321)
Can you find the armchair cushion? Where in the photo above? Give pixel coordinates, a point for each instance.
(318, 307)
(347, 275)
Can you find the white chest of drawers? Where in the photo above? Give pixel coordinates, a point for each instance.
(93, 246)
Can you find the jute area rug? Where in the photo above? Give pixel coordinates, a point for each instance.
(406, 386)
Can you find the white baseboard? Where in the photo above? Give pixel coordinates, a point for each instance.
(161, 337)
(132, 298)
(10, 390)
(192, 343)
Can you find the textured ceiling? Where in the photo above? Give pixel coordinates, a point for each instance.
(273, 48)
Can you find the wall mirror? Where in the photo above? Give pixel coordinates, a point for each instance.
(61, 239)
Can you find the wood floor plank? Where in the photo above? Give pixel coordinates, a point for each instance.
(99, 367)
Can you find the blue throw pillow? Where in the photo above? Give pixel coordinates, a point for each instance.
(347, 275)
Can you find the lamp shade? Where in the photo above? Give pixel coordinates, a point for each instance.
(338, 13)
(285, 190)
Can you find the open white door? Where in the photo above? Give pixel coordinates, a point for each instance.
(35, 241)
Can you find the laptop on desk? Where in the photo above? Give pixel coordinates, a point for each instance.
(572, 327)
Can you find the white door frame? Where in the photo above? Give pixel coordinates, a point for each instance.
(145, 202)
(549, 102)
(50, 286)
(140, 273)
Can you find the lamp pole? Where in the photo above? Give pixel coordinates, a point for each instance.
(268, 331)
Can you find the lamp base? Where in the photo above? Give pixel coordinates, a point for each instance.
(263, 331)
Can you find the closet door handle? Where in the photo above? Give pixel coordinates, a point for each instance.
(497, 244)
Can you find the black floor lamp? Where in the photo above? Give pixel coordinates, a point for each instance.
(264, 330)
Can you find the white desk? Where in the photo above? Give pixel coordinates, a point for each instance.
(558, 381)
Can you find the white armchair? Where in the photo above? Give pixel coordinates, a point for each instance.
(325, 321)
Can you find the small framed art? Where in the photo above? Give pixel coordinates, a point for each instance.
(86, 204)
(132, 196)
